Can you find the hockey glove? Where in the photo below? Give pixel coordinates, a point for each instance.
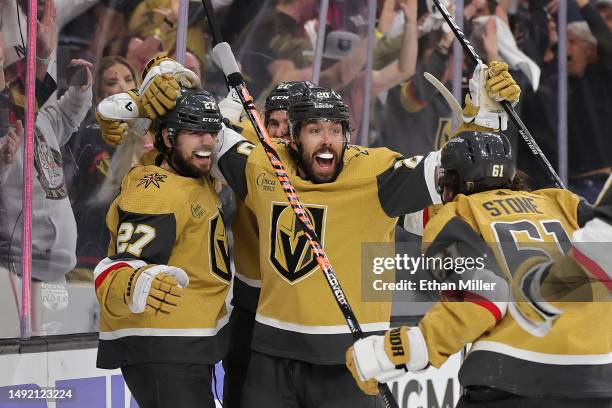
(112, 130)
(162, 79)
(500, 85)
(385, 358)
(231, 107)
(156, 289)
(160, 96)
(119, 114)
(488, 87)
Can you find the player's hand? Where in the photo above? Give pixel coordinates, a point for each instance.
(480, 106)
(115, 113)
(377, 359)
(112, 130)
(370, 386)
(231, 106)
(500, 85)
(160, 97)
(162, 79)
(156, 289)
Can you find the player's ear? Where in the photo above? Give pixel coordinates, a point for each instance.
(167, 143)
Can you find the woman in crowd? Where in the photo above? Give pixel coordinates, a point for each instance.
(98, 167)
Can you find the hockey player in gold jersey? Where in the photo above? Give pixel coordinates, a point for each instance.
(162, 289)
(299, 332)
(506, 366)
(246, 243)
(300, 336)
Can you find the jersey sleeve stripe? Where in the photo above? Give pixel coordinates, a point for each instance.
(597, 271)
(462, 295)
(107, 265)
(100, 278)
(487, 304)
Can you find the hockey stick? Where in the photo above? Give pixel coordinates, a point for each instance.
(514, 117)
(234, 78)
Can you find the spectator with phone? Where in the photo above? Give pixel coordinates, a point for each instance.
(91, 160)
(54, 229)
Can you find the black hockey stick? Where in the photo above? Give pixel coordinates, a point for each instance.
(514, 117)
(234, 78)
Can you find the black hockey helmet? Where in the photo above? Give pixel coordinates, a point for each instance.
(476, 161)
(280, 97)
(317, 103)
(196, 109)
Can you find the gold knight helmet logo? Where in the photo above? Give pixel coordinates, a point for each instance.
(290, 253)
(219, 249)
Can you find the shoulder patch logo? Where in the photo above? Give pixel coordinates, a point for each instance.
(353, 151)
(151, 179)
(411, 162)
(197, 210)
(290, 254)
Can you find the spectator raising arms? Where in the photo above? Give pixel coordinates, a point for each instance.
(54, 233)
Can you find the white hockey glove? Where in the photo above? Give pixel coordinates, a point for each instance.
(156, 289)
(231, 107)
(162, 79)
(385, 358)
(119, 114)
(226, 139)
(489, 86)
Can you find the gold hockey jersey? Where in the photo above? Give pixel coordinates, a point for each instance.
(574, 359)
(297, 315)
(247, 282)
(162, 218)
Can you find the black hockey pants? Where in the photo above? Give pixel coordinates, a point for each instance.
(485, 397)
(275, 382)
(170, 385)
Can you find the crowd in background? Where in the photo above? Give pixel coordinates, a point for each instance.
(90, 49)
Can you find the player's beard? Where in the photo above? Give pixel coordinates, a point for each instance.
(298, 156)
(184, 167)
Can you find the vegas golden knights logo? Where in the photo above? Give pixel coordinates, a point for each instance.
(219, 249)
(290, 253)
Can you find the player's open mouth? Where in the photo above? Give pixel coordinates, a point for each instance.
(202, 154)
(325, 159)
